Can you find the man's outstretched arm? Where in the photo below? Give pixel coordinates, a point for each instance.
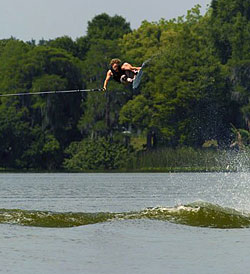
(108, 76)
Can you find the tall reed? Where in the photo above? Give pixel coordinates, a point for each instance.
(189, 159)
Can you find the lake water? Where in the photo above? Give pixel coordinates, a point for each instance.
(125, 223)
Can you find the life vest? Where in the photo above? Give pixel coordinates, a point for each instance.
(117, 74)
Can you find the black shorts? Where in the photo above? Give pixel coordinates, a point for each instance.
(128, 74)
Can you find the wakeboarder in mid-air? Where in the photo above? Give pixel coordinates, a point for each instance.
(122, 73)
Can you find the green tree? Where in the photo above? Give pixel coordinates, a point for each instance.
(43, 151)
(101, 112)
(27, 68)
(98, 154)
(230, 28)
(185, 87)
(107, 27)
(65, 43)
(15, 136)
(42, 69)
(82, 46)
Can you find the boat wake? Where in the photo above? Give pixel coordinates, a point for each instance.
(199, 214)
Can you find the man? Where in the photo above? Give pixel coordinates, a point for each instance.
(122, 73)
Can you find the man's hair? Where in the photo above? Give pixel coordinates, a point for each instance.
(115, 61)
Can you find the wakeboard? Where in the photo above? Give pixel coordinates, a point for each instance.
(137, 81)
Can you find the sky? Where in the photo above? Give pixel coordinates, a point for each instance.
(48, 19)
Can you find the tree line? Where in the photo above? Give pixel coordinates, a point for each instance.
(195, 90)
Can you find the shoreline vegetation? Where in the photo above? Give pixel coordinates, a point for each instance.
(191, 112)
(180, 160)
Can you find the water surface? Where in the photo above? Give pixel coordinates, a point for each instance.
(124, 223)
